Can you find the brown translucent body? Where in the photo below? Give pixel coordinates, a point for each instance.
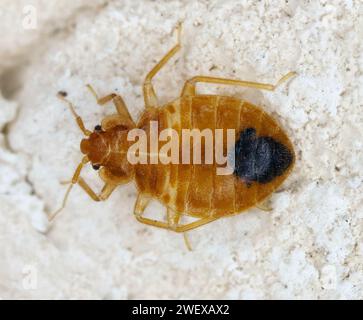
(186, 189)
(196, 189)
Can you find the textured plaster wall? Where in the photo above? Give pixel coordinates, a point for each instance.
(309, 246)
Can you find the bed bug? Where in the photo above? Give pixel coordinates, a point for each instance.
(264, 155)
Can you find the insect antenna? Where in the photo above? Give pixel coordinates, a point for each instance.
(79, 120)
(72, 183)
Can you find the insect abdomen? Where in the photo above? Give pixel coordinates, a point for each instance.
(196, 189)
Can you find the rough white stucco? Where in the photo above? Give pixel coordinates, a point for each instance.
(309, 246)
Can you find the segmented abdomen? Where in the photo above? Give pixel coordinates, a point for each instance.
(196, 189)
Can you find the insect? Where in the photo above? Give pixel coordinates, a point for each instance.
(264, 155)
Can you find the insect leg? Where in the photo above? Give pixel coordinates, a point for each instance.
(172, 222)
(164, 225)
(117, 100)
(195, 224)
(189, 87)
(177, 218)
(151, 222)
(73, 182)
(105, 192)
(140, 205)
(187, 242)
(264, 207)
(107, 189)
(149, 92)
(103, 100)
(186, 239)
(169, 217)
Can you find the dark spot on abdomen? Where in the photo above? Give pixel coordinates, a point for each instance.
(260, 159)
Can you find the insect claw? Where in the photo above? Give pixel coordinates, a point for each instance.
(64, 182)
(186, 241)
(179, 30)
(53, 215)
(93, 92)
(286, 77)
